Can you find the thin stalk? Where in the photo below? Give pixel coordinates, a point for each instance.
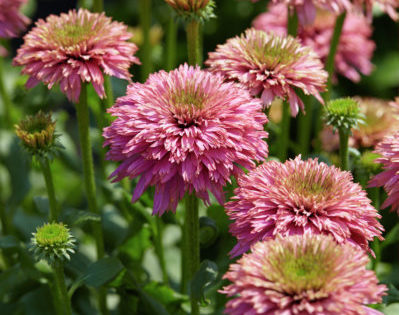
(193, 43)
(284, 132)
(171, 44)
(98, 6)
(344, 149)
(7, 104)
(48, 177)
(82, 111)
(305, 126)
(374, 194)
(61, 286)
(145, 23)
(339, 23)
(159, 248)
(192, 248)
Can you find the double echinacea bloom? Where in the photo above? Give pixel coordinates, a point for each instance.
(270, 66)
(76, 47)
(307, 275)
(185, 131)
(301, 198)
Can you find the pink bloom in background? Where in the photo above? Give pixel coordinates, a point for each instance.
(270, 66)
(389, 178)
(355, 48)
(76, 47)
(185, 131)
(12, 22)
(3, 51)
(388, 6)
(302, 275)
(301, 197)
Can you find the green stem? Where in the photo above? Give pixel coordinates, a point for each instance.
(292, 23)
(7, 104)
(193, 43)
(343, 149)
(284, 132)
(339, 23)
(305, 126)
(192, 248)
(48, 177)
(160, 251)
(61, 286)
(145, 23)
(171, 44)
(98, 5)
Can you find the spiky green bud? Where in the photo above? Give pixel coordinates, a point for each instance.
(52, 242)
(201, 10)
(343, 114)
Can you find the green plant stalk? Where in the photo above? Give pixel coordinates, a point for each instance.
(171, 44)
(374, 195)
(7, 104)
(59, 278)
(339, 23)
(98, 6)
(82, 111)
(305, 126)
(192, 245)
(193, 43)
(48, 177)
(145, 24)
(344, 149)
(284, 132)
(159, 248)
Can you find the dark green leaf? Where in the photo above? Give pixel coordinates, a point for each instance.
(8, 241)
(103, 271)
(203, 279)
(392, 296)
(392, 237)
(74, 217)
(164, 294)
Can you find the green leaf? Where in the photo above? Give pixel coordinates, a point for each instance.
(392, 309)
(392, 237)
(74, 217)
(42, 204)
(102, 271)
(8, 241)
(203, 279)
(164, 294)
(136, 245)
(392, 296)
(152, 304)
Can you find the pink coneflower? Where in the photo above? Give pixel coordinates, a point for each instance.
(389, 178)
(185, 131)
(270, 66)
(388, 6)
(355, 48)
(300, 197)
(12, 22)
(76, 47)
(302, 275)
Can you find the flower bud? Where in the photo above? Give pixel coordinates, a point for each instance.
(343, 114)
(189, 9)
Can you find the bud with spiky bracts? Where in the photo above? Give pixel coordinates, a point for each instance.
(52, 242)
(193, 9)
(38, 136)
(343, 113)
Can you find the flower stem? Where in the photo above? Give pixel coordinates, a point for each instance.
(284, 132)
(305, 126)
(192, 244)
(339, 23)
(343, 149)
(193, 43)
(61, 286)
(145, 23)
(48, 177)
(5, 98)
(171, 44)
(98, 5)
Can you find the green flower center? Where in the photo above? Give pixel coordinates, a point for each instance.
(52, 234)
(190, 96)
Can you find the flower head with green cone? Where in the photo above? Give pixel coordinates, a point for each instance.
(306, 275)
(193, 9)
(38, 136)
(52, 242)
(343, 113)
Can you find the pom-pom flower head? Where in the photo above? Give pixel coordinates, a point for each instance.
(355, 48)
(343, 113)
(76, 47)
(52, 242)
(307, 275)
(197, 9)
(270, 66)
(185, 131)
(301, 197)
(38, 135)
(388, 148)
(12, 22)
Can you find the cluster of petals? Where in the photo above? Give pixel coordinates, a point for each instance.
(388, 6)
(76, 47)
(185, 131)
(301, 197)
(188, 5)
(12, 21)
(388, 148)
(270, 66)
(307, 275)
(355, 48)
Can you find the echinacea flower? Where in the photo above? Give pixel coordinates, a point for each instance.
(306, 275)
(355, 48)
(12, 21)
(300, 197)
(74, 48)
(388, 148)
(270, 66)
(198, 9)
(185, 131)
